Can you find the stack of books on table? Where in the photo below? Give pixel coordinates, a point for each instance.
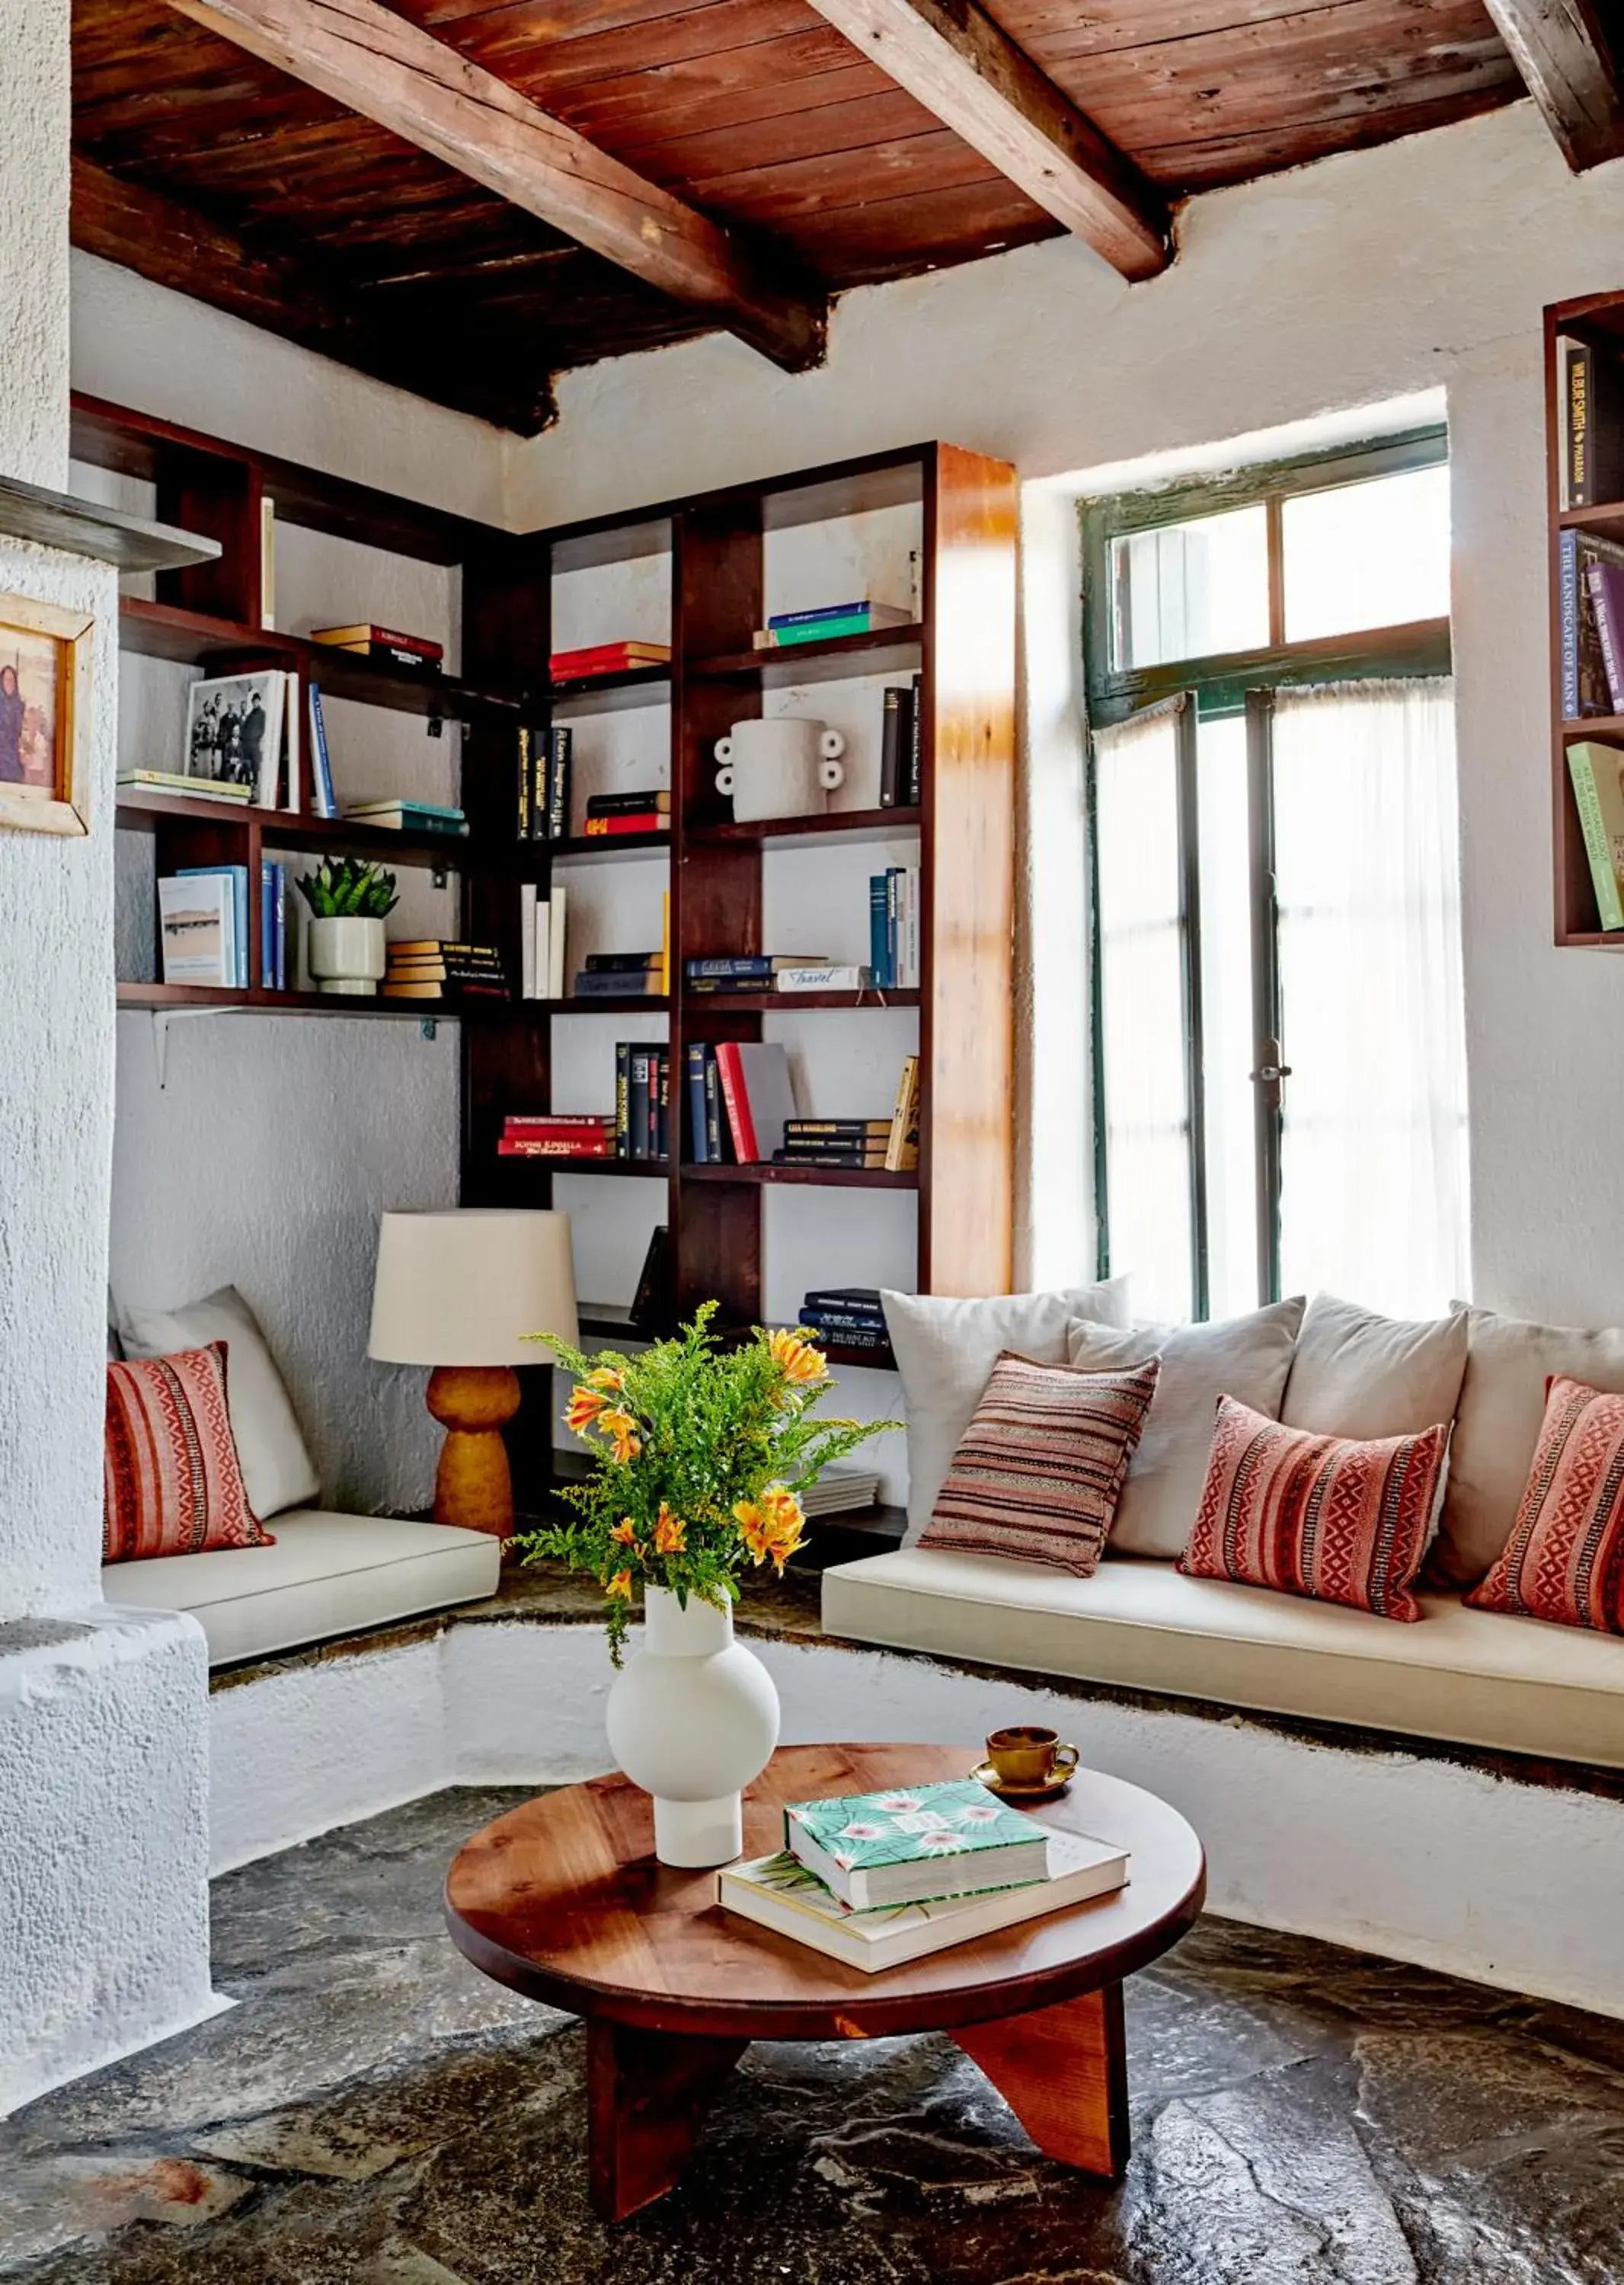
(785, 629)
(609, 815)
(876, 1880)
(841, 1491)
(443, 967)
(365, 639)
(772, 971)
(400, 815)
(607, 658)
(850, 1316)
(558, 1134)
(643, 1099)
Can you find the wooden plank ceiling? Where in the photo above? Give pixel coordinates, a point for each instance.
(220, 175)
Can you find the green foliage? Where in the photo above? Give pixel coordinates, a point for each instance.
(344, 888)
(700, 1451)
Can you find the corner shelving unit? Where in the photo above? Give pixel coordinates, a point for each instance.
(1598, 320)
(718, 545)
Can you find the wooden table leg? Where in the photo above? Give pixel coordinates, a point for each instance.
(1064, 2072)
(647, 2095)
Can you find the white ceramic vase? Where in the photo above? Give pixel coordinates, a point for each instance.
(348, 954)
(782, 765)
(692, 1718)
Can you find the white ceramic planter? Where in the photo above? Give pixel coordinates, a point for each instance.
(692, 1719)
(784, 765)
(348, 954)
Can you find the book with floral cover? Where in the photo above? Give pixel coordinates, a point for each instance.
(931, 1840)
(779, 1893)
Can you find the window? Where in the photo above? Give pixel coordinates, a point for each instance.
(1279, 1044)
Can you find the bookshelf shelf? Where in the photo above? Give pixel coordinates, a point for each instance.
(718, 557)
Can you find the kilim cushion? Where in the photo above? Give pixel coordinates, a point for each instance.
(1039, 1472)
(173, 1480)
(1565, 1560)
(1321, 1516)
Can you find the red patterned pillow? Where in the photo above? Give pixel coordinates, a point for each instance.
(1322, 1516)
(1565, 1560)
(173, 1480)
(1039, 1470)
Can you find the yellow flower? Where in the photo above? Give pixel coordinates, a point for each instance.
(670, 1534)
(799, 1360)
(623, 1429)
(769, 1526)
(619, 1585)
(624, 1534)
(607, 1377)
(585, 1406)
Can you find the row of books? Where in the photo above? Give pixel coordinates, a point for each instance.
(850, 1316)
(443, 968)
(773, 971)
(894, 907)
(891, 1144)
(559, 1134)
(826, 622)
(1590, 424)
(203, 926)
(546, 761)
(877, 1880)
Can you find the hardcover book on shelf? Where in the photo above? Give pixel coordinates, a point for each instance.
(365, 635)
(757, 1096)
(651, 1305)
(951, 1839)
(902, 1149)
(196, 928)
(561, 770)
(1604, 581)
(175, 781)
(782, 1894)
(610, 829)
(322, 795)
(1590, 400)
(607, 658)
(1597, 774)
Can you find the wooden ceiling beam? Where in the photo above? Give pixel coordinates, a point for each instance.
(1572, 72)
(970, 74)
(365, 57)
(294, 296)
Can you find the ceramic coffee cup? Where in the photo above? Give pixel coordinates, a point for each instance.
(1025, 1756)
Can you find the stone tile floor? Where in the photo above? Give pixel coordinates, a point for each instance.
(375, 2112)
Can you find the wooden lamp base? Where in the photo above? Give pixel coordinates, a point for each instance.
(474, 1486)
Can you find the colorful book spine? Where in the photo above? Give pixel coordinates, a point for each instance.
(699, 1151)
(736, 1101)
(651, 820)
(605, 984)
(891, 743)
(1597, 841)
(561, 752)
(915, 788)
(326, 800)
(623, 1099)
(1605, 584)
(526, 786)
(716, 1135)
(879, 937)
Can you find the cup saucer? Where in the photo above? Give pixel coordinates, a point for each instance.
(1051, 1789)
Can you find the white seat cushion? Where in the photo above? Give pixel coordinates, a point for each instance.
(327, 1575)
(1473, 1677)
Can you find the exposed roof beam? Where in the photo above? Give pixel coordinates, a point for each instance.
(971, 75)
(373, 61)
(1572, 72)
(291, 295)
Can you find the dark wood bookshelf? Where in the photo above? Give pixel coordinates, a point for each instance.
(1596, 319)
(209, 614)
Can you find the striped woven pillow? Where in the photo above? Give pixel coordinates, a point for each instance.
(1321, 1516)
(1039, 1470)
(172, 1480)
(1565, 1560)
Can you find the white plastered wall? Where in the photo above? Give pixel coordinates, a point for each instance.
(1420, 266)
(103, 1721)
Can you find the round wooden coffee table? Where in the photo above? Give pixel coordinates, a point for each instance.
(563, 1901)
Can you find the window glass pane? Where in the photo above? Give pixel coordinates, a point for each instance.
(1141, 936)
(1367, 555)
(1374, 1169)
(1227, 1017)
(1190, 590)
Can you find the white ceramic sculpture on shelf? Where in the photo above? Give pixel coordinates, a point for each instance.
(785, 766)
(692, 1718)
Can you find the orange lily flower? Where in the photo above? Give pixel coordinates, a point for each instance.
(670, 1533)
(620, 1585)
(584, 1406)
(622, 1428)
(624, 1534)
(607, 1377)
(799, 1360)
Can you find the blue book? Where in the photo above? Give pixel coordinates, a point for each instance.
(822, 611)
(238, 876)
(280, 939)
(879, 941)
(267, 924)
(893, 874)
(321, 761)
(698, 1145)
(742, 963)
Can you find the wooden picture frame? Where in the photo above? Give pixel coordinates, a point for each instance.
(45, 667)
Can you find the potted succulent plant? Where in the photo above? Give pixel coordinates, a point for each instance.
(348, 898)
(701, 1450)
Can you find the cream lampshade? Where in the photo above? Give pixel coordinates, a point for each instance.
(457, 1291)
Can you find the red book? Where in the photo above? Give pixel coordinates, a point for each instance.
(640, 821)
(607, 658)
(524, 1122)
(736, 1101)
(527, 1146)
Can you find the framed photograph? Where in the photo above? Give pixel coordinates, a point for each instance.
(45, 656)
(234, 731)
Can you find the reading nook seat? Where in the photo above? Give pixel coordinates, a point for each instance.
(1474, 1678)
(327, 1575)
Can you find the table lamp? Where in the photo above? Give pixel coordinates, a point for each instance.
(457, 1291)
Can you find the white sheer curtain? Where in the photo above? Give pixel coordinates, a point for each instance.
(1374, 1154)
(1141, 982)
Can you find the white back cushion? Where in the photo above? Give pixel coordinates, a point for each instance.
(1356, 1374)
(945, 1350)
(1247, 1358)
(275, 1467)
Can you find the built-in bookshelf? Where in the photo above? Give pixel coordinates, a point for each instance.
(705, 571)
(1596, 325)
